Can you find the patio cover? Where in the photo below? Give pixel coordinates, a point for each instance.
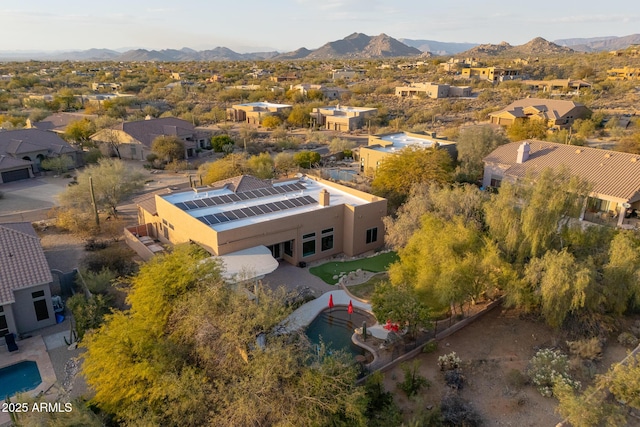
(248, 264)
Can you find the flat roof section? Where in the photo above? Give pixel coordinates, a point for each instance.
(402, 140)
(264, 105)
(239, 210)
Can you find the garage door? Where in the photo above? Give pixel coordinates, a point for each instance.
(15, 175)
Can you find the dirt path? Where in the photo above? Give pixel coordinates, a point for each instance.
(489, 348)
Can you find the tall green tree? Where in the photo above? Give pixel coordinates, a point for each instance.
(400, 304)
(473, 144)
(168, 148)
(226, 167)
(564, 286)
(80, 132)
(450, 263)
(443, 201)
(261, 165)
(397, 174)
(525, 218)
(113, 182)
(187, 353)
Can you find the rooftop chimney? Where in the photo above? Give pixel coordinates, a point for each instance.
(523, 152)
(324, 197)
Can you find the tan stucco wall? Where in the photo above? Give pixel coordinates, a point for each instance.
(349, 225)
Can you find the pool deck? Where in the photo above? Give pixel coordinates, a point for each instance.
(304, 315)
(33, 349)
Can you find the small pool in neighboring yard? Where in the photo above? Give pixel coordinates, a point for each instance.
(335, 326)
(22, 376)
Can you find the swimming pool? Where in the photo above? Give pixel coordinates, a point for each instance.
(22, 376)
(335, 326)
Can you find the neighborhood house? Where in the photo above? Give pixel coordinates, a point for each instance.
(614, 176)
(299, 220)
(25, 279)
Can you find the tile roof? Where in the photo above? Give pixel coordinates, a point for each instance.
(146, 131)
(241, 183)
(23, 141)
(22, 260)
(7, 162)
(550, 107)
(612, 173)
(58, 122)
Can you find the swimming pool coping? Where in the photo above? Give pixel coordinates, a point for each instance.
(30, 349)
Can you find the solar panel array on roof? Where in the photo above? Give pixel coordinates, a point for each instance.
(250, 211)
(236, 197)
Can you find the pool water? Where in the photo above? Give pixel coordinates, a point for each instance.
(22, 376)
(335, 326)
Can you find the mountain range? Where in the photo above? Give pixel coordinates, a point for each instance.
(354, 46)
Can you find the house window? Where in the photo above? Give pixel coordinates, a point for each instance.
(495, 181)
(4, 328)
(326, 242)
(308, 244)
(288, 248)
(372, 235)
(40, 305)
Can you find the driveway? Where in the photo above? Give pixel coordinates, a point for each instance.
(30, 199)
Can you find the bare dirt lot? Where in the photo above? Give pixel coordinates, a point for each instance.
(501, 341)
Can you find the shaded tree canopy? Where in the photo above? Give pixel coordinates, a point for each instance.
(473, 144)
(186, 354)
(113, 182)
(398, 173)
(168, 148)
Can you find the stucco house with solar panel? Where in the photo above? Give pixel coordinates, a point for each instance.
(299, 220)
(614, 176)
(25, 279)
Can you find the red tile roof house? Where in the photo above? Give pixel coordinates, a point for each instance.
(22, 151)
(25, 279)
(614, 176)
(134, 139)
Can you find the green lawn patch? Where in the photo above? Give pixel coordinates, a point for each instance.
(375, 264)
(365, 290)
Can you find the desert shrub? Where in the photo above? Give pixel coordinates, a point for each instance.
(92, 244)
(430, 347)
(449, 361)
(98, 283)
(516, 379)
(456, 411)
(92, 156)
(381, 409)
(627, 339)
(116, 258)
(549, 367)
(177, 165)
(587, 349)
(88, 313)
(74, 221)
(151, 158)
(413, 381)
(454, 379)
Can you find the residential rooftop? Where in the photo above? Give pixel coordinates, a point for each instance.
(225, 209)
(612, 173)
(264, 104)
(392, 143)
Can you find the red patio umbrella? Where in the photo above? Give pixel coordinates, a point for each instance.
(330, 300)
(350, 308)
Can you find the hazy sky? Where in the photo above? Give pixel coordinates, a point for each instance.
(284, 25)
